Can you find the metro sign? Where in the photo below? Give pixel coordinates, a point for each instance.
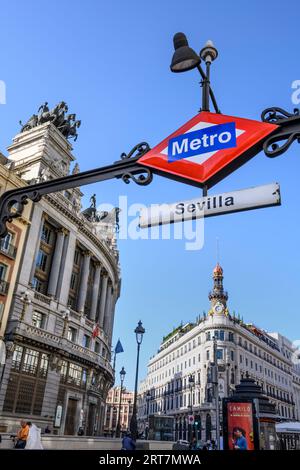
(208, 148)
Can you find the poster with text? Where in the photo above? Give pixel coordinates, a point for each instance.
(240, 426)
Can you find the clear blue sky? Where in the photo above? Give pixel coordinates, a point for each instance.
(110, 61)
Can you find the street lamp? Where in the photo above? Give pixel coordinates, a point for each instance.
(185, 59)
(191, 384)
(139, 332)
(122, 377)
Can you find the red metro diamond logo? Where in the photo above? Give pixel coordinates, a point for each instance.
(208, 148)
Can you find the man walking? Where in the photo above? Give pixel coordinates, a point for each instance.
(22, 435)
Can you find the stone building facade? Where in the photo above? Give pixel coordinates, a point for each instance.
(10, 249)
(178, 381)
(58, 369)
(112, 410)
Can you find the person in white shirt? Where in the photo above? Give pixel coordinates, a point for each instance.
(34, 437)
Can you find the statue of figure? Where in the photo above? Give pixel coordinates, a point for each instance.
(30, 124)
(58, 114)
(43, 113)
(73, 130)
(93, 201)
(67, 126)
(76, 169)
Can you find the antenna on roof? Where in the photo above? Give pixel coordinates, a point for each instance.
(218, 249)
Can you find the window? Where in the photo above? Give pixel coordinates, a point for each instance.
(3, 271)
(230, 336)
(97, 347)
(1, 310)
(17, 357)
(86, 341)
(37, 320)
(72, 334)
(41, 260)
(75, 374)
(207, 354)
(30, 362)
(47, 233)
(232, 355)
(64, 369)
(219, 353)
(43, 365)
(208, 336)
(5, 243)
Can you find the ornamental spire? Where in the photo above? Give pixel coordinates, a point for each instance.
(218, 296)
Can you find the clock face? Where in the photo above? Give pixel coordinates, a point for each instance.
(218, 308)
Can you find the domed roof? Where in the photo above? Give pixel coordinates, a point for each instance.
(218, 270)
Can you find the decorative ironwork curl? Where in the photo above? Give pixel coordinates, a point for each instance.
(137, 151)
(277, 115)
(142, 180)
(288, 130)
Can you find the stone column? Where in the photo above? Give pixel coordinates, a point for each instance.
(84, 282)
(108, 307)
(112, 317)
(102, 299)
(95, 292)
(65, 278)
(56, 262)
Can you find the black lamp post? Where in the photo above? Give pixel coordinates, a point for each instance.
(122, 377)
(185, 59)
(191, 384)
(139, 332)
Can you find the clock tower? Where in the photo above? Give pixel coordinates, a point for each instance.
(218, 296)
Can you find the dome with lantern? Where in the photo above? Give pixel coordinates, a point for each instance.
(218, 270)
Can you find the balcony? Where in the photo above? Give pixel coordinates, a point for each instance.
(42, 298)
(8, 249)
(4, 286)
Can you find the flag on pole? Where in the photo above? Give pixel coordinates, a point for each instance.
(96, 331)
(119, 347)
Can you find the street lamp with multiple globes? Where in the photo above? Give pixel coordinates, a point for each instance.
(122, 377)
(139, 332)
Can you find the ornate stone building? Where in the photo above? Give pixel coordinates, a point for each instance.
(10, 248)
(112, 410)
(58, 371)
(179, 381)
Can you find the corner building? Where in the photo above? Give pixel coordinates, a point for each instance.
(242, 349)
(57, 372)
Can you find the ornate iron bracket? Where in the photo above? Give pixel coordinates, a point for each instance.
(127, 168)
(288, 131)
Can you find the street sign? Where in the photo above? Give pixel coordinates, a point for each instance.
(191, 419)
(207, 148)
(226, 203)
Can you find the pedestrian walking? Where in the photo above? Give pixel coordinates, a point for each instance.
(22, 435)
(34, 437)
(128, 443)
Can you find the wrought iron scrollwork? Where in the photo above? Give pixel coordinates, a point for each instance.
(145, 174)
(275, 115)
(143, 179)
(288, 130)
(137, 151)
(12, 207)
(127, 168)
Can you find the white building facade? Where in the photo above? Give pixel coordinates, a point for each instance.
(178, 381)
(58, 371)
